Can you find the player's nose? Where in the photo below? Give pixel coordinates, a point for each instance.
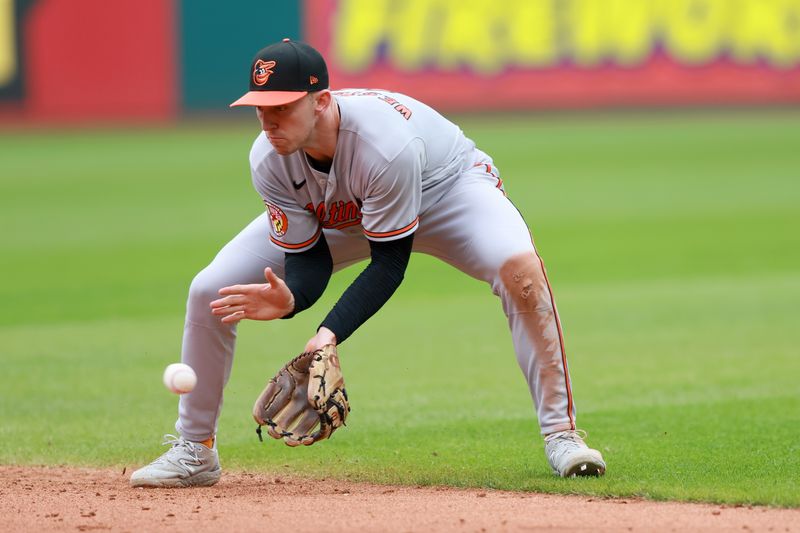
(267, 120)
(268, 124)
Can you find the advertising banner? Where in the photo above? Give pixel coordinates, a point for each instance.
(87, 60)
(515, 54)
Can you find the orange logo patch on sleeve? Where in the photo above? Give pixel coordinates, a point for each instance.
(261, 71)
(278, 219)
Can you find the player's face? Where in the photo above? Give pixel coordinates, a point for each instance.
(288, 127)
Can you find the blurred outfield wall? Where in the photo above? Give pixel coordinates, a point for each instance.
(157, 59)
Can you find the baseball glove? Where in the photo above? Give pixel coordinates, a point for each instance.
(308, 391)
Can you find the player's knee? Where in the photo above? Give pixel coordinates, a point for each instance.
(523, 278)
(203, 290)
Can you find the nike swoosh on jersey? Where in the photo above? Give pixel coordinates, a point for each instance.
(298, 185)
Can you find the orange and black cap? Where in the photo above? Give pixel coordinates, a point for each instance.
(284, 72)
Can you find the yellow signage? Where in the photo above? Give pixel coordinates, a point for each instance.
(8, 43)
(490, 35)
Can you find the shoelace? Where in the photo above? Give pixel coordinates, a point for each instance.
(575, 436)
(569, 440)
(180, 442)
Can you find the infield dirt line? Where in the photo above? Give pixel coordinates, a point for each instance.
(83, 499)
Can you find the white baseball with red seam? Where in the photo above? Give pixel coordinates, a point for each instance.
(179, 378)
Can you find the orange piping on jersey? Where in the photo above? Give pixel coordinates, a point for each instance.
(494, 175)
(487, 166)
(489, 171)
(345, 224)
(570, 403)
(296, 246)
(392, 233)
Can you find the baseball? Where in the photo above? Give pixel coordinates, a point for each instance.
(179, 378)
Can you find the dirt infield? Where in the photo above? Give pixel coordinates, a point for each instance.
(70, 499)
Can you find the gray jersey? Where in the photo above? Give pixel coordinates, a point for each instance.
(399, 168)
(395, 158)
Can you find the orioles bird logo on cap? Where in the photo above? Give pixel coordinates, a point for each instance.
(261, 71)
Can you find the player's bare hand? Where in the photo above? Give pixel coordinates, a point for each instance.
(323, 337)
(256, 301)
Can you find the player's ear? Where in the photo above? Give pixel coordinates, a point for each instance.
(322, 99)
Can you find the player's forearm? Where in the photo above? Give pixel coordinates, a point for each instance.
(371, 289)
(307, 275)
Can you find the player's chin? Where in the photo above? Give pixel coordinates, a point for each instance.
(283, 146)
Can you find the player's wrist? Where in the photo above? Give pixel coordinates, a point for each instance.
(326, 335)
(288, 310)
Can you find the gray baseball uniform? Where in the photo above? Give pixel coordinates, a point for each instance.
(399, 168)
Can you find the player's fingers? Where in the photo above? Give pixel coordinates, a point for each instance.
(234, 318)
(229, 310)
(232, 289)
(271, 277)
(239, 289)
(235, 299)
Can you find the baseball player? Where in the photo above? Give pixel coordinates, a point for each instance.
(345, 176)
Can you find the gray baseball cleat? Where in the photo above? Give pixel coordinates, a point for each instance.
(569, 456)
(185, 464)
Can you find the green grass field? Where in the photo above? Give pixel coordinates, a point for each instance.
(672, 241)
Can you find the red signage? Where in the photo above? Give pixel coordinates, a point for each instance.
(88, 60)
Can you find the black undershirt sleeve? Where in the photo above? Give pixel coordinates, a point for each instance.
(372, 288)
(307, 274)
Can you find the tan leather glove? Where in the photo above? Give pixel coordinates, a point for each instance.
(308, 391)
